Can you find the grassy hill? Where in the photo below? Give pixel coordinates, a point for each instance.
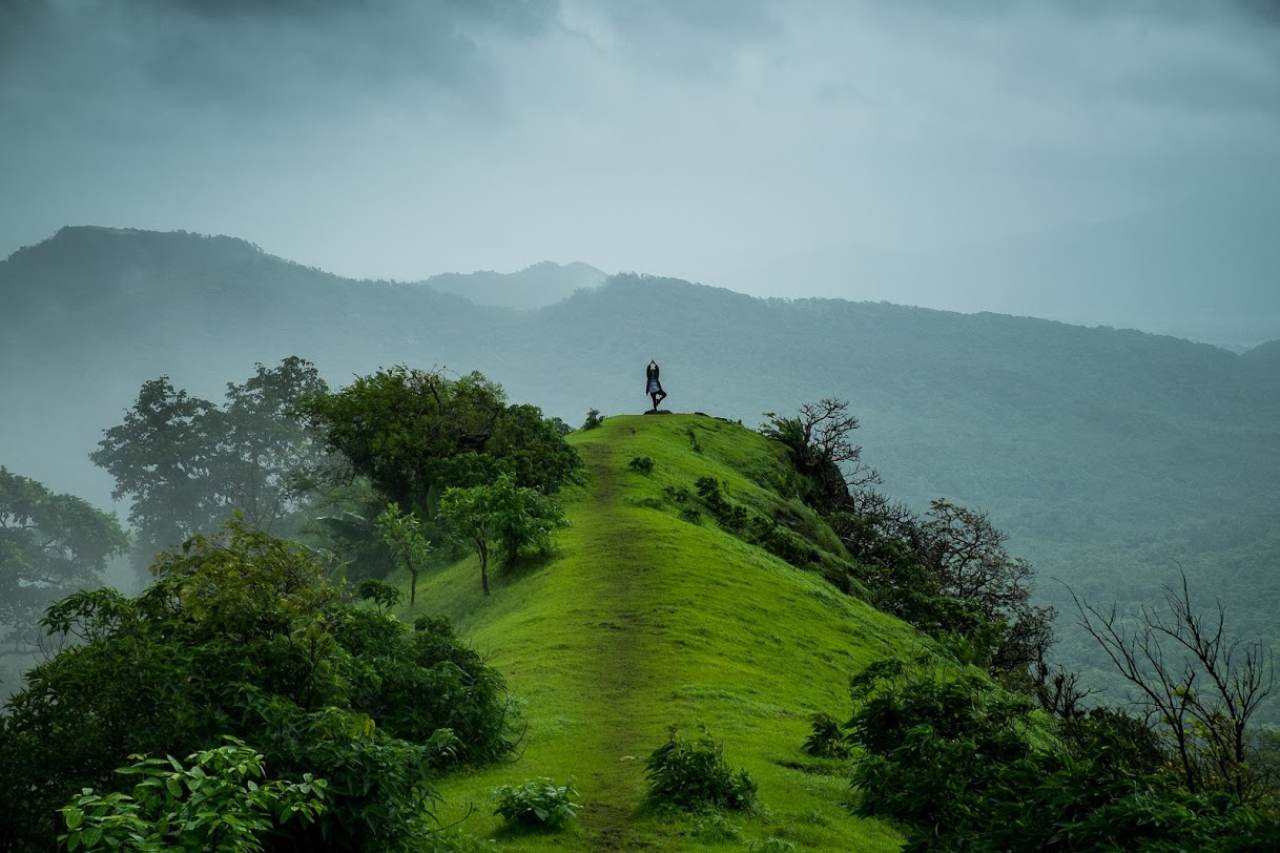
(642, 620)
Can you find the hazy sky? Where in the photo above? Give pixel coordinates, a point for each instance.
(1114, 162)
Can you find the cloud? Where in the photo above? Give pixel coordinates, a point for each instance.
(731, 141)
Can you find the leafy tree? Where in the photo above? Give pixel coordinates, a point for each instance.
(414, 433)
(244, 635)
(186, 464)
(50, 545)
(266, 447)
(222, 801)
(409, 548)
(500, 515)
(818, 440)
(162, 458)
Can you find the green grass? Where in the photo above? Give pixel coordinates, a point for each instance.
(641, 620)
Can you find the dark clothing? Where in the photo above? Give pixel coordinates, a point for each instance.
(653, 385)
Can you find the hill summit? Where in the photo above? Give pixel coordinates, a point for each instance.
(645, 618)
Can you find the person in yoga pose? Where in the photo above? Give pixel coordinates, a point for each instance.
(653, 387)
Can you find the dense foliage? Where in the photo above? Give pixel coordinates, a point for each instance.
(219, 801)
(968, 765)
(415, 433)
(538, 803)
(245, 636)
(691, 773)
(503, 517)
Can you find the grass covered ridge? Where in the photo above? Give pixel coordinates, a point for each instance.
(642, 619)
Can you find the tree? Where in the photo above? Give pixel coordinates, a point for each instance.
(161, 457)
(50, 545)
(818, 440)
(187, 464)
(503, 516)
(1198, 686)
(245, 635)
(265, 444)
(409, 548)
(414, 433)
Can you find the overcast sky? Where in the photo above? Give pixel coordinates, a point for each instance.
(1102, 162)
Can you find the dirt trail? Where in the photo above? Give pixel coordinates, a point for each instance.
(619, 667)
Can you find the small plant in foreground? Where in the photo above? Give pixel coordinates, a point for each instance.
(538, 803)
(594, 419)
(221, 800)
(641, 464)
(772, 844)
(826, 740)
(692, 774)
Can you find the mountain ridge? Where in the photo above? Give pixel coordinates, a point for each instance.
(1109, 456)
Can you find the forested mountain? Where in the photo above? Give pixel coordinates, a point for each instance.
(1110, 456)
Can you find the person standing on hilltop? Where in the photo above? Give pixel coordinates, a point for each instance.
(653, 387)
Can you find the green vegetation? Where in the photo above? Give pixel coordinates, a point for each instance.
(537, 804)
(692, 774)
(970, 766)
(186, 464)
(402, 533)
(415, 433)
(221, 801)
(245, 636)
(503, 515)
(640, 619)
(50, 545)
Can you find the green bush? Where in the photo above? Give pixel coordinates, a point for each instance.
(594, 419)
(245, 636)
(641, 464)
(826, 739)
(968, 765)
(538, 803)
(221, 801)
(692, 774)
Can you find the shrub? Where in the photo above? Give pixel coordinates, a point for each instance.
(594, 419)
(245, 636)
(772, 844)
(538, 803)
(677, 494)
(826, 740)
(691, 514)
(222, 801)
(692, 774)
(970, 766)
(641, 464)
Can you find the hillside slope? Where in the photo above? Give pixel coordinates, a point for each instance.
(642, 620)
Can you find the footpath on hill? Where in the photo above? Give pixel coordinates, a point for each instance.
(642, 620)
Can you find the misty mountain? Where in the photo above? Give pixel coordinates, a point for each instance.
(537, 286)
(1110, 456)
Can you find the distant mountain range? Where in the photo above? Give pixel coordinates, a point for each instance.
(1108, 455)
(537, 286)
